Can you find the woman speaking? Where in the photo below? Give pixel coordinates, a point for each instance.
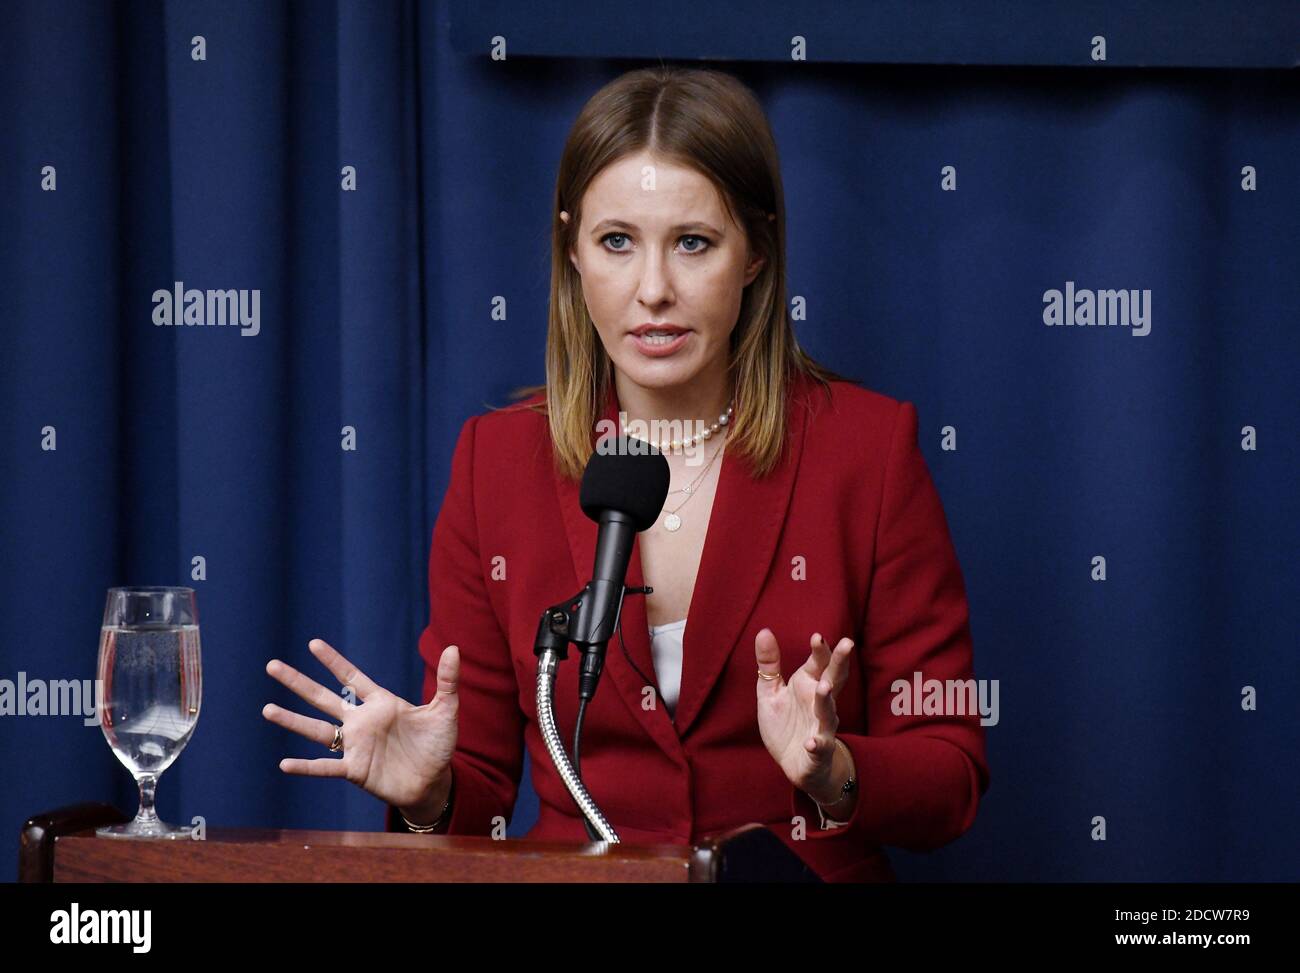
(801, 564)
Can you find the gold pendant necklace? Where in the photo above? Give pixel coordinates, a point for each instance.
(672, 522)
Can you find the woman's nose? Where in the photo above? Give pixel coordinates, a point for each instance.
(655, 286)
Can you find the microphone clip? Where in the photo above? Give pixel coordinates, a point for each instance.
(554, 627)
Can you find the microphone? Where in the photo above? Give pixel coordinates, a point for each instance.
(623, 491)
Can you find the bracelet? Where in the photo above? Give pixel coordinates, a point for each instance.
(846, 789)
(425, 828)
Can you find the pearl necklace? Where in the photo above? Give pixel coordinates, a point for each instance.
(706, 433)
(672, 522)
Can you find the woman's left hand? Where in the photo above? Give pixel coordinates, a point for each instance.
(797, 720)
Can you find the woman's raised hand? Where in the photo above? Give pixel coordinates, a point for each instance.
(797, 720)
(391, 748)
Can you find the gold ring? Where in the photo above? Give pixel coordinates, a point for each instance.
(338, 739)
(769, 676)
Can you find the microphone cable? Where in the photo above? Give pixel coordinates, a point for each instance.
(592, 834)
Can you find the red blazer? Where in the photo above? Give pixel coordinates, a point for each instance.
(854, 500)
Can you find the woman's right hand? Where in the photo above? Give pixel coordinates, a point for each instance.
(398, 752)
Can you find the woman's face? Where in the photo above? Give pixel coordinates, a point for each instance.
(656, 248)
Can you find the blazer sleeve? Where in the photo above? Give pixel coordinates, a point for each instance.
(488, 759)
(920, 776)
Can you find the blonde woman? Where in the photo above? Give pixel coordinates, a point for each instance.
(802, 562)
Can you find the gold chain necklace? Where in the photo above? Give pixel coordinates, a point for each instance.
(672, 522)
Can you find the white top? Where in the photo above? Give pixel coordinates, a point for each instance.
(666, 647)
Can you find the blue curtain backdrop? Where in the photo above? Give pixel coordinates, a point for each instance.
(1119, 699)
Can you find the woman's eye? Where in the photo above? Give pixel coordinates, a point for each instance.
(623, 236)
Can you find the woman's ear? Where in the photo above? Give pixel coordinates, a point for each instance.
(753, 267)
(573, 259)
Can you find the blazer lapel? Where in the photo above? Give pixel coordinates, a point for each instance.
(744, 529)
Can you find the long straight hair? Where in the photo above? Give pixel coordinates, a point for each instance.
(708, 121)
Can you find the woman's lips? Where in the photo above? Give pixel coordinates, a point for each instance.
(659, 347)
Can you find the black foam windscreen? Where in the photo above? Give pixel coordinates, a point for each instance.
(626, 476)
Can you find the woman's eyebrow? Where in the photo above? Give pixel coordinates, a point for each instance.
(620, 224)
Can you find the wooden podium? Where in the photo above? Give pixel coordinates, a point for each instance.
(61, 846)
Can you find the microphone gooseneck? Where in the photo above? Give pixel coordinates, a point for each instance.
(546, 666)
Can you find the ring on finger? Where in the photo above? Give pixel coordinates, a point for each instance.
(337, 744)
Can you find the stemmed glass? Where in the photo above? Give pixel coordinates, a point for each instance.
(150, 681)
